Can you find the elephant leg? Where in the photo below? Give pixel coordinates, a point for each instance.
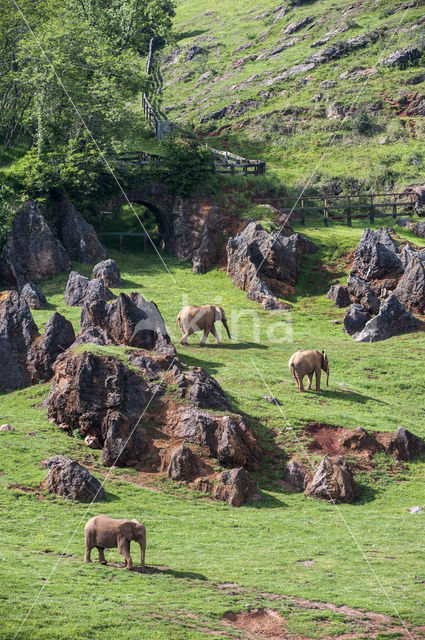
(184, 338)
(142, 554)
(318, 374)
(300, 383)
(215, 334)
(102, 559)
(87, 554)
(124, 550)
(310, 380)
(205, 336)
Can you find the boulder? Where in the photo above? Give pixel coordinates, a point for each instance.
(296, 26)
(295, 475)
(410, 289)
(227, 438)
(263, 264)
(405, 445)
(80, 289)
(359, 440)
(101, 397)
(376, 256)
(236, 487)
(361, 292)
(17, 333)
(68, 479)
(404, 222)
(355, 319)
(408, 55)
(77, 235)
(94, 335)
(391, 320)
(334, 481)
(147, 365)
(7, 427)
(33, 296)
(339, 294)
(194, 51)
(109, 272)
(130, 320)
(32, 250)
(406, 255)
(184, 464)
(204, 390)
(419, 229)
(417, 193)
(58, 337)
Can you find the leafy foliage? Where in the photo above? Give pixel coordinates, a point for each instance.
(7, 214)
(186, 163)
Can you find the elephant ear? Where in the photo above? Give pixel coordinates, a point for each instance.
(126, 529)
(323, 359)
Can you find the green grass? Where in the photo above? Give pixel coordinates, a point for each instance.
(194, 543)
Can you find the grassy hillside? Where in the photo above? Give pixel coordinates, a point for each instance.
(246, 46)
(206, 558)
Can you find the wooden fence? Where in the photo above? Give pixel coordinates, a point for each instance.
(344, 207)
(226, 162)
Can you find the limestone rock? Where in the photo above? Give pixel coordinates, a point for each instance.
(405, 445)
(391, 320)
(376, 255)
(410, 54)
(355, 319)
(33, 296)
(80, 289)
(68, 479)
(419, 229)
(7, 427)
(359, 440)
(17, 332)
(295, 475)
(361, 292)
(194, 51)
(410, 289)
(204, 391)
(184, 464)
(109, 272)
(333, 481)
(236, 487)
(339, 294)
(77, 235)
(94, 335)
(227, 438)
(58, 336)
(32, 250)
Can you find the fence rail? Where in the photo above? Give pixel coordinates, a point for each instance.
(349, 204)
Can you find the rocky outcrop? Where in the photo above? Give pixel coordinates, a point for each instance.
(33, 296)
(184, 464)
(58, 336)
(391, 320)
(32, 250)
(417, 193)
(130, 320)
(17, 333)
(295, 475)
(77, 235)
(227, 438)
(405, 445)
(204, 391)
(236, 487)
(361, 292)
(355, 319)
(359, 440)
(108, 271)
(339, 294)
(333, 481)
(68, 479)
(419, 229)
(80, 289)
(266, 265)
(400, 58)
(410, 289)
(376, 256)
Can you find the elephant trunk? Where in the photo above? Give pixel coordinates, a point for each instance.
(224, 321)
(327, 377)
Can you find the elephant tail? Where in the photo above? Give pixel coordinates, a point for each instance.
(292, 369)
(179, 323)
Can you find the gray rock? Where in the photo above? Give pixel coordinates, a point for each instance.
(33, 296)
(405, 445)
(295, 475)
(7, 427)
(94, 335)
(333, 481)
(391, 320)
(236, 487)
(297, 26)
(109, 272)
(32, 250)
(419, 229)
(416, 510)
(184, 464)
(17, 333)
(355, 319)
(406, 255)
(204, 391)
(194, 51)
(404, 222)
(376, 255)
(68, 479)
(149, 366)
(271, 400)
(339, 294)
(58, 337)
(80, 290)
(410, 289)
(77, 235)
(410, 54)
(361, 292)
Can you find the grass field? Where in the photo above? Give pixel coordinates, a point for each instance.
(206, 558)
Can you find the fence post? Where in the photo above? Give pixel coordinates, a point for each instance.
(394, 207)
(349, 222)
(302, 212)
(121, 243)
(372, 211)
(325, 212)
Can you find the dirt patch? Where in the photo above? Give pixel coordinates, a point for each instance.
(258, 623)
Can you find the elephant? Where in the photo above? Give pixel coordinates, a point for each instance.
(106, 533)
(306, 363)
(193, 318)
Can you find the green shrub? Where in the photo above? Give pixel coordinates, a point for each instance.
(185, 163)
(362, 123)
(7, 214)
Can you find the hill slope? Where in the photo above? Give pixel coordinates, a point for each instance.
(275, 81)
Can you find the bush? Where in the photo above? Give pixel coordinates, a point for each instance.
(362, 123)
(7, 214)
(185, 164)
